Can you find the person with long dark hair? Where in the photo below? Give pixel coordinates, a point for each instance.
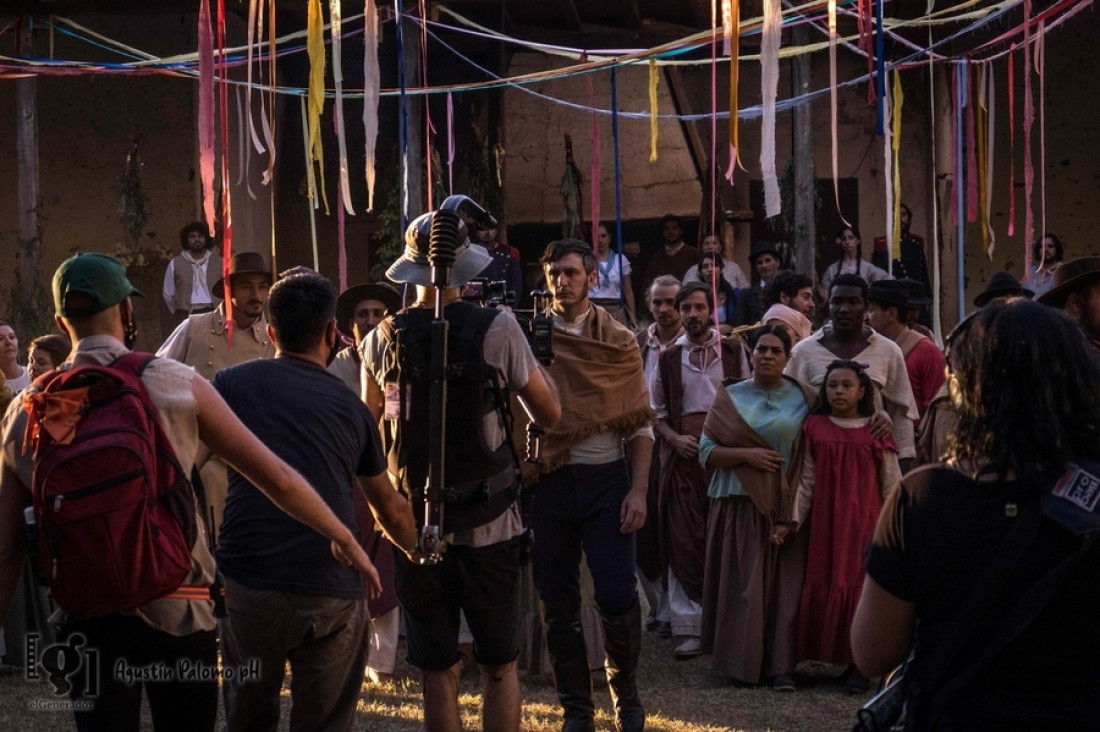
(850, 261)
(725, 307)
(1047, 253)
(613, 290)
(973, 556)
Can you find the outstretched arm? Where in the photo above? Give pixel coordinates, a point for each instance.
(227, 436)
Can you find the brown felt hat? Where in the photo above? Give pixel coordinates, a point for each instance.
(1070, 277)
(762, 246)
(349, 298)
(891, 293)
(243, 263)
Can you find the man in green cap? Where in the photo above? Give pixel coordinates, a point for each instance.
(92, 297)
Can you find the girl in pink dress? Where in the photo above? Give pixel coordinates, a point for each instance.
(845, 473)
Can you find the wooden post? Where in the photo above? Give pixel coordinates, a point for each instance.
(803, 153)
(414, 159)
(28, 302)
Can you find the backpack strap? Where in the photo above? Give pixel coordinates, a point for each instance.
(133, 362)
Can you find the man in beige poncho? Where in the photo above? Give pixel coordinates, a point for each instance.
(591, 494)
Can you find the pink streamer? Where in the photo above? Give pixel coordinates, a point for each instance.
(227, 204)
(1011, 147)
(594, 176)
(972, 172)
(1029, 120)
(450, 144)
(206, 114)
(714, 118)
(371, 87)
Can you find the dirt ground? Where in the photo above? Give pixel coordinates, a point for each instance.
(680, 696)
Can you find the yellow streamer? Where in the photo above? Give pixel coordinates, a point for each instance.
(654, 79)
(983, 155)
(315, 46)
(899, 97)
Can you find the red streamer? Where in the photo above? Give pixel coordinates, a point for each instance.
(1012, 149)
(227, 210)
(1029, 120)
(594, 181)
(206, 114)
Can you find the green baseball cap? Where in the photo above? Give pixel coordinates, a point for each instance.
(99, 276)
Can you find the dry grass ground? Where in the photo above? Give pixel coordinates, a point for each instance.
(680, 696)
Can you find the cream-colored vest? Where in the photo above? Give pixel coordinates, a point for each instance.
(208, 348)
(183, 279)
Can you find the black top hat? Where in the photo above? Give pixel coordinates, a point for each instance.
(349, 298)
(1069, 277)
(892, 293)
(918, 292)
(243, 263)
(762, 246)
(1002, 284)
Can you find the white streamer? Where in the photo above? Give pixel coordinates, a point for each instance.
(769, 85)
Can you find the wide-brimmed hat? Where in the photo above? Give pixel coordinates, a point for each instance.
(99, 276)
(1002, 284)
(1069, 277)
(349, 298)
(762, 246)
(243, 263)
(918, 292)
(892, 293)
(413, 266)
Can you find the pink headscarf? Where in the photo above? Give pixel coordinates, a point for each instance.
(797, 324)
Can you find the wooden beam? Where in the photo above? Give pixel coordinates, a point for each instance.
(414, 159)
(805, 236)
(684, 106)
(28, 308)
(697, 143)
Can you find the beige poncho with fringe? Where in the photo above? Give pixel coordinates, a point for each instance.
(601, 384)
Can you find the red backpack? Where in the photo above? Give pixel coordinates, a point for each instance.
(115, 512)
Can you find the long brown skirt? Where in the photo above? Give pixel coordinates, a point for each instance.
(750, 593)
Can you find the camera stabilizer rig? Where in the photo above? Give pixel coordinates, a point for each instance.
(442, 251)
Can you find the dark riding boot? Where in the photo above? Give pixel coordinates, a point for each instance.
(623, 646)
(572, 677)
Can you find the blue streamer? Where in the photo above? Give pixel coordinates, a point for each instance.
(404, 104)
(618, 185)
(880, 68)
(960, 200)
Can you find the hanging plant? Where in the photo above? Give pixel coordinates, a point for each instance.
(133, 204)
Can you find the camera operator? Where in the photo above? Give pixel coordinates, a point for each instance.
(479, 573)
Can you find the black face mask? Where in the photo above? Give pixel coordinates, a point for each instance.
(332, 352)
(130, 338)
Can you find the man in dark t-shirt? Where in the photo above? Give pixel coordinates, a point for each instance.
(288, 597)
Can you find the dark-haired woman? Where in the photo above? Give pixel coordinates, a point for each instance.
(752, 583)
(710, 273)
(850, 262)
(613, 290)
(1027, 390)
